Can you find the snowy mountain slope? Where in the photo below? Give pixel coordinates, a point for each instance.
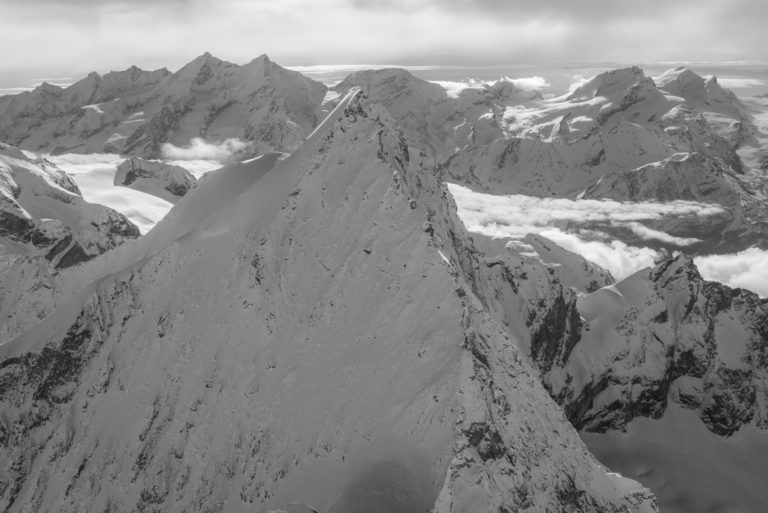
(163, 180)
(225, 364)
(689, 468)
(135, 112)
(721, 107)
(43, 214)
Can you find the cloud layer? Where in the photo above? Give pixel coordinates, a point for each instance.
(562, 221)
(111, 34)
(453, 88)
(198, 149)
(746, 269)
(94, 175)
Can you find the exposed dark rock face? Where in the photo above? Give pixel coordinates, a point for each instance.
(700, 344)
(165, 181)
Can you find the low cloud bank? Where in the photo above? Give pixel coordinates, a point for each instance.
(745, 269)
(454, 88)
(616, 256)
(198, 149)
(646, 233)
(516, 215)
(740, 83)
(94, 175)
(562, 221)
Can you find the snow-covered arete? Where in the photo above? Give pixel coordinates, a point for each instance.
(303, 323)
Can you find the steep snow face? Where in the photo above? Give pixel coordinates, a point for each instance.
(43, 214)
(136, 111)
(165, 181)
(226, 362)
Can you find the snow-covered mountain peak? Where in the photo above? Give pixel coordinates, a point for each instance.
(232, 341)
(611, 84)
(680, 81)
(681, 267)
(48, 88)
(387, 84)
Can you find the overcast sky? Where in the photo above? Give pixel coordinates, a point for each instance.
(65, 38)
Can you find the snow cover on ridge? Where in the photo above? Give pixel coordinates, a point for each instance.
(218, 359)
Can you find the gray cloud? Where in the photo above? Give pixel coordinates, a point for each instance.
(76, 36)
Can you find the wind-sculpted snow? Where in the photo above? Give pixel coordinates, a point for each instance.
(212, 365)
(143, 113)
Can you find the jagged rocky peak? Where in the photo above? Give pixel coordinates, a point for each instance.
(662, 335)
(166, 181)
(238, 371)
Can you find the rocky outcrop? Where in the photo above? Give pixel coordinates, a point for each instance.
(165, 181)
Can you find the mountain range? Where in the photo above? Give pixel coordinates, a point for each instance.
(311, 327)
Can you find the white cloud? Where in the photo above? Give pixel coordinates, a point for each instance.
(614, 255)
(198, 149)
(453, 88)
(517, 215)
(514, 216)
(577, 81)
(646, 233)
(740, 83)
(535, 83)
(94, 175)
(77, 163)
(746, 269)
